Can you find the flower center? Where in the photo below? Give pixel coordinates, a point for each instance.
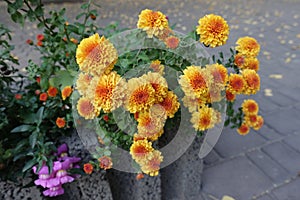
(61, 173)
(44, 176)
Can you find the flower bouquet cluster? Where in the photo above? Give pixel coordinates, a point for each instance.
(136, 85)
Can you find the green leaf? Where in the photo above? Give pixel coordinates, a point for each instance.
(39, 115)
(18, 18)
(84, 6)
(33, 138)
(22, 128)
(62, 79)
(29, 165)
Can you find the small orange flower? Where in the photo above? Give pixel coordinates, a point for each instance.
(38, 80)
(40, 37)
(139, 176)
(52, 91)
(105, 162)
(37, 92)
(172, 42)
(243, 129)
(43, 96)
(18, 96)
(60, 122)
(74, 40)
(39, 43)
(88, 168)
(105, 118)
(230, 96)
(66, 92)
(93, 17)
(29, 41)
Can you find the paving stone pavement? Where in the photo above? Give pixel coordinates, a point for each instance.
(263, 165)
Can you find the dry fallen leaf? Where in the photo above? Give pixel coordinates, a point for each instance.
(227, 198)
(275, 76)
(268, 92)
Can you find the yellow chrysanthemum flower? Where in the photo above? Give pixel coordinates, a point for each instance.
(250, 107)
(170, 104)
(96, 55)
(151, 164)
(157, 67)
(204, 119)
(158, 83)
(213, 30)
(83, 83)
(140, 149)
(150, 125)
(192, 103)
(243, 129)
(109, 93)
(141, 95)
(153, 22)
(236, 83)
(195, 81)
(86, 108)
(239, 60)
(247, 46)
(252, 81)
(259, 124)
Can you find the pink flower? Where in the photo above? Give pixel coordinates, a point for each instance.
(44, 176)
(54, 191)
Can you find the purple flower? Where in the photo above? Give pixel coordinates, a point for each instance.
(44, 176)
(54, 191)
(62, 151)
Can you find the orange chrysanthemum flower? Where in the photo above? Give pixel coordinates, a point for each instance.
(52, 91)
(252, 80)
(96, 55)
(236, 83)
(166, 32)
(43, 96)
(213, 30)
(259, 123)
(66, 92)
(153, 22)
(83, 83)
(88, 168)
(139, 176)
(239, 60)
(109, 92)
(105, 162)
(204, 119)
(151, 164)
(158, 83)
(60, 122)
(243, 129)
(195, 81)
(230, 96)
(251, 63)
(247, 46)
(250, 107)
(86, 108)
(141, 95)
(250, 120)
(170, 104)
(172, 42)
(157, 67)
(140, 149)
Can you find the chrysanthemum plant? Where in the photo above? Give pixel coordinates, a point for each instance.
(140, 89)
